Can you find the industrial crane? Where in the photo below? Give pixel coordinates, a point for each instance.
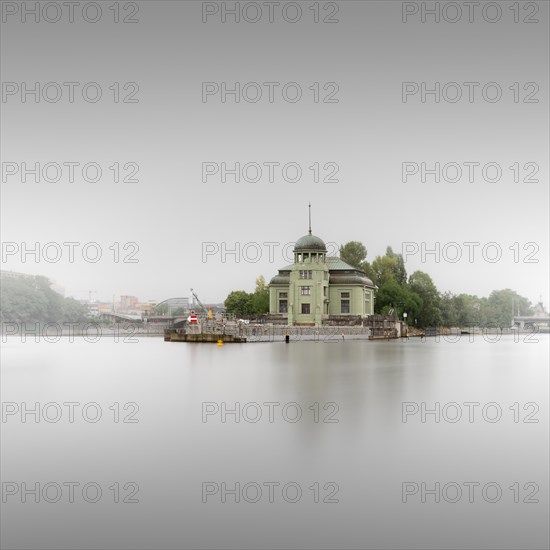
(200, 303)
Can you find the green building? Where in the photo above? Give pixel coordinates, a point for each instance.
(317, 286)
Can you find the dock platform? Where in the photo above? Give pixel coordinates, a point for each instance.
(178, 335)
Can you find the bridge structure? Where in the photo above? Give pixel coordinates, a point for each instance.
(115, 316)
(170, 311)
(169, 316)
(154, 315)
(173, 303)
(529, 321)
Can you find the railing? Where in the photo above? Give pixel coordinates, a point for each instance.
(266, 333)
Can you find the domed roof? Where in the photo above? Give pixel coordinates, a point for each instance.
(310, 242)
(280, 279)
(349, 279)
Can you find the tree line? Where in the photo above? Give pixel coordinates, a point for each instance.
(418, 296)
(31, 299)
(249, 304)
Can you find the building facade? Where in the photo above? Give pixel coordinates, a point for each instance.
(317, 286)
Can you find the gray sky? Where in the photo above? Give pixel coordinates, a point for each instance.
(179, 223)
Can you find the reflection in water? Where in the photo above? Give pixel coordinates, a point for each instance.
(369, 452)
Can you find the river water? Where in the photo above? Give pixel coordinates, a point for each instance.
(354, 444)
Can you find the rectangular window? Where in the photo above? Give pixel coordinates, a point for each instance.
(344, 295)
(344, 306)
(283, 294)
(305, 308)
(305, 290)
(283, 306)
(310, 274)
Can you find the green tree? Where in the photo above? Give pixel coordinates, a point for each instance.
(20, 302)
(260, 298)
(260, 302)
(74, 311)
(449, 310)
(430, 312)
(502, 305)
(399, 271)
(391, 295)
(260, 284)
(239, 302)
(383, 268)
(468, 309)
(391, 265)
(354, 253)
(31, 299)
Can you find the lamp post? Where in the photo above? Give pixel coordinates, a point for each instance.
(397, 305)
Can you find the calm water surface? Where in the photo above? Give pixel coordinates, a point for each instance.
(185, 452)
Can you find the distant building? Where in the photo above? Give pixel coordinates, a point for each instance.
(317, 286)
(146, 309)
(104, 308)
(93, 308)
(128, 303)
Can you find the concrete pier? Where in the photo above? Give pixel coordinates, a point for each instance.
(175, 335)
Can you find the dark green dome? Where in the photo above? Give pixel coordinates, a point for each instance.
(352, 278)
(280, 279)
(310, 243)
